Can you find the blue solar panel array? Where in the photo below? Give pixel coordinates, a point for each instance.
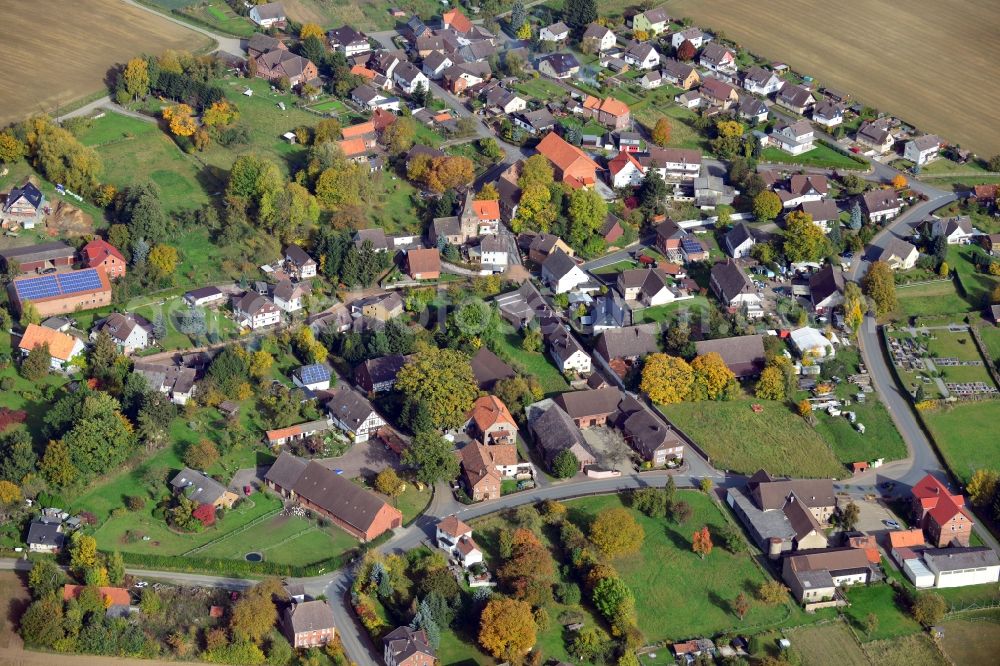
(690, 245)
(311, 374)
(63, 284)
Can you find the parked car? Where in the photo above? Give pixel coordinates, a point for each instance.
(892, 524)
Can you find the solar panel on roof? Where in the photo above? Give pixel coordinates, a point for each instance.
(690, 245)
(312, 374)
(47, 286)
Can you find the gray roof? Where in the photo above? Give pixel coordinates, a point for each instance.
(404, 642)
(628, 342)
(285, 471)
(345, 35)
(952, 559)
(596, 31)
(561, 63)
(252, 303)
(739, 234)
(644, 431)
(309, 616)
(555, 431)
(926, 142)
(794, 95)
(729, 280)
(743, 354)
(558, 28)
(119, 326)
(43, 533)
(828, 109)
(41, 252)
(758, 75)
(488, 368)
(559, 264)
(376, 236)
(271, 10)
(657, 15)
(349, 407)
(591, 402)
(523, 305)
(562, 345)
(198, 487)
(825, 282)
(880, 200)
(822, 210)
(771, 492)
(714, 53)
(676, 69)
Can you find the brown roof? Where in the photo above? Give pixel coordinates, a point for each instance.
(831, 559)
(453, 526)
(589, 403)
(489, 368)
(628, 342)
(285, 471)
(477, 463)
(800, 517)
(423, 261)
(744, 354)
(340, 497)
(772, 493)
(310, 616)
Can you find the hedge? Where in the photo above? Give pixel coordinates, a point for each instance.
(213, 566)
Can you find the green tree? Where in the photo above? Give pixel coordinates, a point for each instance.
(880, 285)
(518, 15)
(116, 569)
(613, 598)
(565, 464)
(37, 363)
(442, 381)
(587, 210)
(41, 625)
(849, 516)
(434, 457)
(766, 206)
(804, 241)
(578, 14)
(928, 608)
(45, 578)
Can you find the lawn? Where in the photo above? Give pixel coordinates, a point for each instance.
(820, 156)
(413, 501)
(931, 298)
(912, 650)
(666, 574)
(829, 644)
(536, 364)
(990, 335)
(135, 151)
(966, 435)
(978, 286)
(394, 207)
(541, 89)
(219, 15)
(219, 326)
(682, 131)
(283, 540)
(740, 440)
(690, 307)
(973, 639)
(617, 267)
(330, 106)
(24, 394)
(893, 620)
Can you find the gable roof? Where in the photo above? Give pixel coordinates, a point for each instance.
(715, 53)
(718, 89)
(627, 342)
(97, 250)
(61, 345)
(453, 526)
(826, 282)
(557, 28)
(309, 616)
(906, 538)
(596, 31)
(881, 200)
(341, 497)
(823, 210)
(758, 75)
(424, 260)
(953, 559)
(404, 642)
(772, 493)
(561, 63)
(285, 471)
(743, 354)
(555, 431)
(197, 486)
(730, 280)
(563, 154)
(794, 94)
(489, 410)
(349, 407)
(739, 234)
(590, 402)
(118, 596)
(804, 183)
(559, 264)
(120, 326)
(455, 19)
(656, 15)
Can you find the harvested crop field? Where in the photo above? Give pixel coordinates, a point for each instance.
(900, 57)
(71, 51)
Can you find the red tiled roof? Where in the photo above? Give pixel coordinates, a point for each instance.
(98, 250)
(361, 70)
(614, 107)
(453, 526)
(906, 538)
(353, 147)
(488, 411)
(486, 209)
(457, 20)
(564, 155)
(118, 596)
(619, 161)
(359, 130)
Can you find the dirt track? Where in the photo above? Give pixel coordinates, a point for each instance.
(934, 64)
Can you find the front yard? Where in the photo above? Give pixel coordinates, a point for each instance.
(536, 364)
(820, 156)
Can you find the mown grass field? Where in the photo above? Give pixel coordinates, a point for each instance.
(929, 299)
(284, 540)
(966, 435)
(740, 440)
(973, 639)
(71, 51)
(828, 644)
(682, 132)
(912, 650)
(877, 59)
(820, 156)
(978, 286)
(135, 151)
(893, 620)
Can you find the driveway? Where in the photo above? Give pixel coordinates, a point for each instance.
(872, 515)
(363, 459)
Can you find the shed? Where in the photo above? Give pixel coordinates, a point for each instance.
(918, 573)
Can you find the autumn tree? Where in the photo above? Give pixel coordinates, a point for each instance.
(615, 532)
(804, 240)
(219, 114)
(441, 380)
(507, 628)
(83, 551)
(42, 623)
(804, 408)
(713, 380)
(399, 136)
(766, 206)
(201, 455)
(488, 193)
(57, 466)
(880, 285)
(181, 119)
(388, 482)
(587, 210)
(686, 51)
(163, 260)
(701, 542)
(982, 486)
(928, 608)
(899, 181)
(771, 384)
(11, 149)
(136, 76)
(666, 379)
(854, 306)
(10, 496)
(311, 30)
(661, 132)
(772, 592)
(254, 615)
(741, 605)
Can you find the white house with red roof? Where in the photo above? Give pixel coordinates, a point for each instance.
(624, 170)
(455, 537)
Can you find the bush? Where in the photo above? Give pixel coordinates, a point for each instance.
(568, 593)
(7, 383)
(135, 503)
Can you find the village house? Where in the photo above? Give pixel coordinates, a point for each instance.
(461, 76)
(308, 624)
(491, 422)
(202, 489)
(480, 477)
(254, 311)
(717, 58)
(762, 81)
(557, 32)
(783, 514)
(922, 149)
(743, 354)
(45, 536)
(22, 208)
(315, 377)
(130, 332)
(673, 164)
(652, 21)
(709, 191)
(881, 204)
(554, 432)
(598, 38)
(378, 375)
(647, 434)
(828, 113)
(298, 432)
(610, 112)
(174, 380)
(752, 109)
(298, 263)
(795, 98)
(37, 258)
(815, 576)
(875, 135)
(734, 289)
(642, 55)
(566, 351)
(561, 273)
(680, 74)
(357, 511)
(793, 138)
(589, 408)
(353, 414)
(381, 307)
(405, 646)
(558, 65)
(348, 41)
(543, 244)
(718, 93)
(423, 264)
(624, 346)
(455, 538)
(624, 170)
(63, 348)
(824, 213)
(101, 254)
(288, 295)
(693, 35)
(488, 369)
(942, 515)
(645, 287)
(267, 15)
(204, 296)
(497, 97)
(826, 289)
(739, 240)
(802, 188)
(435, 63)
(491, 253)
(279, 64)
(409, 78)
(956, 230)
(535, 122)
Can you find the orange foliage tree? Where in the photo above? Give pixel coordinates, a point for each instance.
(701, 542)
